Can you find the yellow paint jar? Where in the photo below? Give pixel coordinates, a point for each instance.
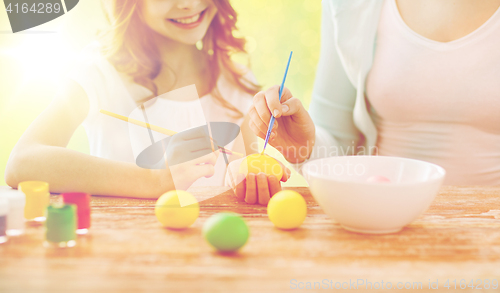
(37, 199)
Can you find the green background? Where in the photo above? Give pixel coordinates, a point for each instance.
(31, 61)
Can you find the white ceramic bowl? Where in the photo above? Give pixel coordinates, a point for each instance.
(340, 186)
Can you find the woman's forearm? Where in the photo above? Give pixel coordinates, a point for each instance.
(68, 170)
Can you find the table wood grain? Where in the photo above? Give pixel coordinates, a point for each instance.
(127, 250)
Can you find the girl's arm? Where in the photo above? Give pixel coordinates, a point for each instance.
(41, 154)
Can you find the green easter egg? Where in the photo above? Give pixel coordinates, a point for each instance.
(226, 232)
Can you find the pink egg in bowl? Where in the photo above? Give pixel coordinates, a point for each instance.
(373, 194)
(378, 179)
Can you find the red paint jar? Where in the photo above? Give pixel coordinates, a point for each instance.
(82, 202)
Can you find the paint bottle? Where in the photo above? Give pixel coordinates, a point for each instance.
(15, 216)
(60, 226)
(37, 200)
(82, 202)
(4, 210)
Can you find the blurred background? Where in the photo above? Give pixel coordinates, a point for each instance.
(31, 61)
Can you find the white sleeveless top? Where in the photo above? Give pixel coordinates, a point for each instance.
(114, 139)
(438, 102)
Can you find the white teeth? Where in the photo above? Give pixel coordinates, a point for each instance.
(187, 20)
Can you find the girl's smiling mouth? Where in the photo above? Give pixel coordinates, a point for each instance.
(188, 22)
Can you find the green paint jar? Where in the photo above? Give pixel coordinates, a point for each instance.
(60, 226)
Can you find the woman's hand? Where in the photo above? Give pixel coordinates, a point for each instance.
(254, 188)
(293, 132)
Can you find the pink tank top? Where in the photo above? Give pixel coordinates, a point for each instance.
(438, 102)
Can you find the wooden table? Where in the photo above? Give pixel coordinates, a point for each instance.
(127, 250)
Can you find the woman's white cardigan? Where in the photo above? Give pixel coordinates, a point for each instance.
(338, 106)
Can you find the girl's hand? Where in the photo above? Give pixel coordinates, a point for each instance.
(293, 132)
(254, 188)
(189, 157)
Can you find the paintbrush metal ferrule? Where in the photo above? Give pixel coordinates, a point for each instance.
(268, 135)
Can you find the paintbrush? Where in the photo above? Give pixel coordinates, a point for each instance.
(271, 122)
(158, 129)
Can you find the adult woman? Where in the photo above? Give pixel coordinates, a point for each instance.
(407, 78)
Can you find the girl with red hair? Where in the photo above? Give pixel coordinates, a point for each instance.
(152, 47)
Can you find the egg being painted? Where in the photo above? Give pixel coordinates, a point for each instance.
(257, 163)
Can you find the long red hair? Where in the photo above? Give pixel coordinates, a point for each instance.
(129, 47)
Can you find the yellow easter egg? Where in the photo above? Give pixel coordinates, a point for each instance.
(287, 209)
(257, 163)
(171, 214)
